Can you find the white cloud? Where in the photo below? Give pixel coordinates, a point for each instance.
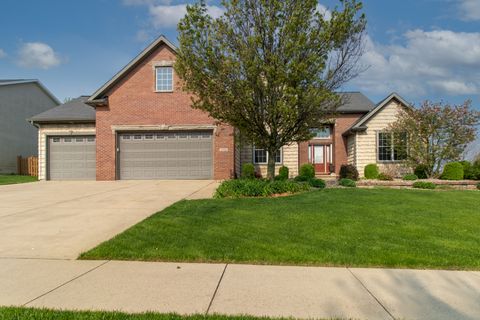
(167, 16)
(3, 54)
(38, 55)
(470, 10)
(323, 10)
(441, 62)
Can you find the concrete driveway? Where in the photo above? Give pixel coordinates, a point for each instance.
(59, 220)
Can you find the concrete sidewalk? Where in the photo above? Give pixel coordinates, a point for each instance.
(185, 288)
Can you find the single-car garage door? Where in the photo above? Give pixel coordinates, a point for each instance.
(166, 155)
(71, 158)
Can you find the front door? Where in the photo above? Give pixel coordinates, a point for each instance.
(319, 156)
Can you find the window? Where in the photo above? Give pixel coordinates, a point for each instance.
(164, 79)
(391, 147)
(260, 156)
(56, 139)
(149, 136)
(322, 133)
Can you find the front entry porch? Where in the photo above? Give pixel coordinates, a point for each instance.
(321, 156)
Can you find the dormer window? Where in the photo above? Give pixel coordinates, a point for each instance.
(164, 79)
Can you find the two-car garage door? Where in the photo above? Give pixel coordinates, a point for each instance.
(165, 155)
(146, 155)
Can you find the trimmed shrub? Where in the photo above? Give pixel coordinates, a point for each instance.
(344, 182)
(282, 173)
(301, 179)
(478, 186)
(371, 171)
(385, 177)
(410, 177)
(452, 171)
(470, 171)
(248, 171)
(258, 188)
(421, 171)
(307, 170)
(424, 185)
(317, 183)
(348, 171)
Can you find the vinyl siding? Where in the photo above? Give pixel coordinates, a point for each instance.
(18, 102)
(366, 142)
(289, 154)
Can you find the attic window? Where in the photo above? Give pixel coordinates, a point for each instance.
(164, 79)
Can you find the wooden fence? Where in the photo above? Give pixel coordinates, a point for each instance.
(27, 166)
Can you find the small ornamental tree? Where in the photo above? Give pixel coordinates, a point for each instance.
(270, 67)
(436, 133)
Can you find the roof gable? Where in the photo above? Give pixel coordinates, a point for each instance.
(99, 94)
(360, 124)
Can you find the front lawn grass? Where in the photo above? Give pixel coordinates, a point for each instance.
(14, 313)
(14, 179)
(333, 227)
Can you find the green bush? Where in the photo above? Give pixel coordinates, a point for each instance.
(385, 177)
(307, 171)
(478, 186)
(345, 182)
(424, 185)
(258, 188)
(452, 171)
(371, 171)
(282, 173)
(301, 179)
(317, 183)
(410, 177)
(421, 171)
(248, 171)
(471, 171)
(348, 171)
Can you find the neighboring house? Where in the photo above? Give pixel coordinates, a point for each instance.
(19, 100)
(141, 126)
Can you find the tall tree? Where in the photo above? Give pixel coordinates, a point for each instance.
(436, 133)
(270, 67)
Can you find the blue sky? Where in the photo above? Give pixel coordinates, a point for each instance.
(422, 49)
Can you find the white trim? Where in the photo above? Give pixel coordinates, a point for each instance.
(253, 156)
(162, 127)
(392, 148)
(156, 79)
(379, 107)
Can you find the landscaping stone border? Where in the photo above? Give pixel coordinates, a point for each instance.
(457, 184)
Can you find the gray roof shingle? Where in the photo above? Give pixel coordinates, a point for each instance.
(74, 110)
(355, 102)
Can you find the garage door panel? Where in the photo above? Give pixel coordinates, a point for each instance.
(71, 158)
(166, 155)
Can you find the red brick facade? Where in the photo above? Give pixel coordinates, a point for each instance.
(339, 143)
(133, 101)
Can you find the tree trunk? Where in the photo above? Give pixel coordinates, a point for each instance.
(271, 166)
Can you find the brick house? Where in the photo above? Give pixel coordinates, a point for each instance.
(140, 125)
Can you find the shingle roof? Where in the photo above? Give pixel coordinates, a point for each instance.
(73, 111)
(360, 124)
(355, 102)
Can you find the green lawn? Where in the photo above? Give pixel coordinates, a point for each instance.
(13, 313)
(13, 179)
(332, 227)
